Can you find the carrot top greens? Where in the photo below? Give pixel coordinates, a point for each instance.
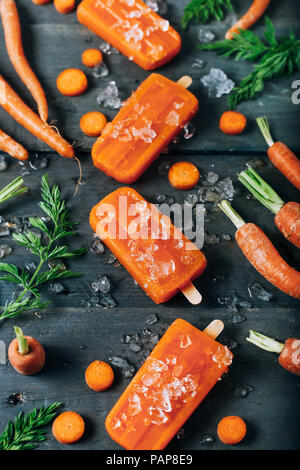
(46, 248)
(274, 59)
(204, 10)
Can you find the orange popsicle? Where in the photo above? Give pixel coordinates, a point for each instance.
(157, 255)
(150, 119)
(132, 28)
(179, 373)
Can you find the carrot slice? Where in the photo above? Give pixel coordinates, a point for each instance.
(99, 376)
(232, 430)
(92, 57)
(183, 175)
(65, 6)
(68, 427)
(72, 82)
(93, 123)
(232, 123)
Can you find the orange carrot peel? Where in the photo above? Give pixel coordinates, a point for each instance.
(256, 10)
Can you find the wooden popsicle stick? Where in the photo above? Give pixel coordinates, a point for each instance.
(192, 294)
(214, 329)
(185, 81)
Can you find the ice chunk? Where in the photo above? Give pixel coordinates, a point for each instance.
(144, 133)
(5, 250)
(4, 230)
(207, 439)
(37, 162)
(101, 284)
(156, 415)
(212, 177)
(100, 71)
(205, 36)
(134, 34)
(127, 369)
(107, 301)
(189, 131)
(97, 247)
(258, 291)
(107, 48)
(109, 97)
(198, 65)
(151, 319)
(217, 82)
(3, 163)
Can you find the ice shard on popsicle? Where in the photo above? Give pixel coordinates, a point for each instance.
(157, 255)
(132, 28)
(149, 120)
(179, 373)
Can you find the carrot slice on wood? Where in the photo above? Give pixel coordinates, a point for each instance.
(68, 427)
(92, 57)
(93, 123)
(232, 123)
(72, 82)
(232, 430)
(183, 175)
(99, 376)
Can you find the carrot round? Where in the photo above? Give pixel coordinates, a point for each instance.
(99, 376)
(13, 42)
(19, 111)
(13, 148)
(289, 351)
(72, 82)
(65, 6)
(92, 57)
(256, 10)
(26, 354)
(287, 216)
(183, 175)
(232, 430)
(232, 123)
(93, 123)
(68, 427)
(280, 155)
(262, 254)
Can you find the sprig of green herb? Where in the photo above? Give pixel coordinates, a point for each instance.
(275, 59)
(25, 432)
(204, 10)
(12, 189)
(59, 227)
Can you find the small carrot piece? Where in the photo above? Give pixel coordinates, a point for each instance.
(72, 82)
(289, 351)
(183, 175)
(262, 254)
(68, 427)
(93, 123)
(280, 155)
(26, 354)
(13, 42)
(256, 10)
(13, 148)
(92, 57)
(65, 6)
(232, 123)
(231, 430)
(19, 111)
(99, 376)
(287, 216)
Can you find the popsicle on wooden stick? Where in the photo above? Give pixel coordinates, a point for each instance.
(157, 255)
(132, 28)
(149, 120)
(175, 378)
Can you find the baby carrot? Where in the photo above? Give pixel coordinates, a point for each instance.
(280, 155)
(262, 254)
(232, 123)
(19, 111)
(26, 354)
(93, 123)
(231, 430)
(13, 148)
(287, 216)
(68, 427)
(92, 57)
(289, 351)
(256, 10)
(99, 376)
(13, 42)
(65, 6)
(183, 175)
(72, 82)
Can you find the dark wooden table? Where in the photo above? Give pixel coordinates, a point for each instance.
(74, 336)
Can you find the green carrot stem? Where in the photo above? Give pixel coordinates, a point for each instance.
(264, 342)
(12, 189)
(265, 130)
(235, 218)
(261, 190)
(22, 341)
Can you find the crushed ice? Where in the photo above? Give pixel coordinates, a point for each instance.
(217, 82)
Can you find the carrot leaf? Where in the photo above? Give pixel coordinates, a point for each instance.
(204, 10)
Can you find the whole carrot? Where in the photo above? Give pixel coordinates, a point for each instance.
(13, 42)
(287, 216)
(13, 148)
(280, 155)
(289, 351)
(256, 10)
(262, 254)
(19, 111)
